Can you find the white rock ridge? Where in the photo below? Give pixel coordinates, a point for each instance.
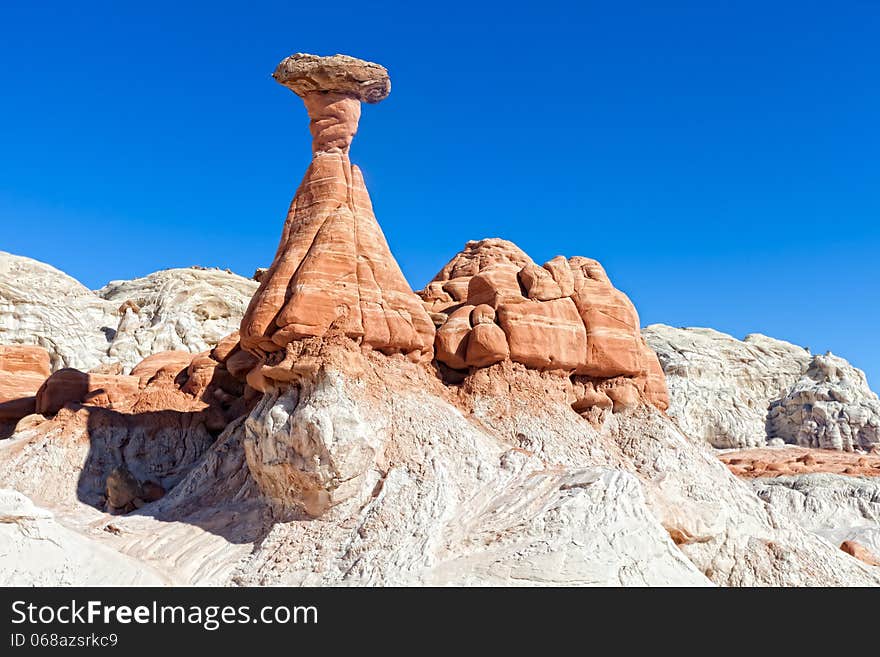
(721, 388)
(42, 306)
(125, 321)
(175, 309)
(830, 406)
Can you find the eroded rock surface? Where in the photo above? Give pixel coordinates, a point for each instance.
(743, 393)
(42, 306)
(721, 388)
(123, 322)
(830, 406)
(492, 303)
(174, 310)
(23, 369)
(334, 271)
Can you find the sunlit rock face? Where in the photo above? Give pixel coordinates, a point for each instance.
(333, 271)
(492, 303)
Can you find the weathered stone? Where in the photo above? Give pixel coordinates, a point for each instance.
(614, 346)
(495, 285)
(486, 345)
(451, 343)
(544, 334)
(538, 284)
(72, 386)
(122, 488)
(483, 314)
(305, 74)
(165, 363)
(15, 359)
(334, 270)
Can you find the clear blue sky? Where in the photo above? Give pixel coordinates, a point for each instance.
(722, 159)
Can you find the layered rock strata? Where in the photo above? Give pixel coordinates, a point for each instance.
(492, 303)
(23, 369)
(333, 271)
(830, 407)
(745, 393)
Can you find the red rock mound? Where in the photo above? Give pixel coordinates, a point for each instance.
(334, 271)
(492, 303)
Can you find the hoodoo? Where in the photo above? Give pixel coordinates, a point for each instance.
(333, 271)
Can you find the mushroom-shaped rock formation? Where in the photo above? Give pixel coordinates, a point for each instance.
(333, 271)
(492, 302)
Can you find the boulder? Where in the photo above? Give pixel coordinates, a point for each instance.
(165, 363)
(72, 386)
(333, 271)
(486, 345)
(544, 335)
(451, 343)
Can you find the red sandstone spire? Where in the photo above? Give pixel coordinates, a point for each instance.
(333, 268)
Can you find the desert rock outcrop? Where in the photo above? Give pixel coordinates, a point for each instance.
(42, 306)
(174, 310)
(23, 369)
(830, 407)
(123, 322)
(720, 388)
(334, 271)
(743, 393)
(491, 303)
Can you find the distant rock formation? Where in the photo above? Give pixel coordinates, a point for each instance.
(334, 271)
(42, 306)
(123, 322)
(829, 406)
(720, 388)
(743, 393)
(188, 309)
(491, 303)
(23, 369)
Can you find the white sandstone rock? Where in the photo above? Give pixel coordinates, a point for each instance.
(830, 407)
(175, 309)
(125, 321)
(719, 387)
(836, 507)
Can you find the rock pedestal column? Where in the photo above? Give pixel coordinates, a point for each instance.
(333, 270)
